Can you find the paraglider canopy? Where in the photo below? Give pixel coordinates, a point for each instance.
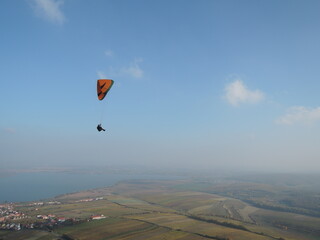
(103, 86)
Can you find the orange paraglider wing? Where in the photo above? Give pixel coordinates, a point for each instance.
(103, 86)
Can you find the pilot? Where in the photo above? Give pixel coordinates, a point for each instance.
(100, 128)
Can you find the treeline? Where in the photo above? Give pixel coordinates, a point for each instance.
(66, 237)
(211, 237)
(205, 235)
(282, 209)
(225, 224)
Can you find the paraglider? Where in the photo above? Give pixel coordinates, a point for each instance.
(103, 87)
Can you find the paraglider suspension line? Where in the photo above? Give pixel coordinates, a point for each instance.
(102, 112)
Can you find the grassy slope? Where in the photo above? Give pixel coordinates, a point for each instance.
(292, 226)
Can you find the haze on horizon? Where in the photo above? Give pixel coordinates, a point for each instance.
(198, 84)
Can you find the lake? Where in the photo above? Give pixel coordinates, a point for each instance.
(42, 185)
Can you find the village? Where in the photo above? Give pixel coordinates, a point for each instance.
(7, 215)
(11, 219)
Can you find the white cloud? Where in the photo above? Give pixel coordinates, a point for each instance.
(133, 69)
(300, 115)
(49, 10)
(101, 75)
(237, 93)
(109, 53)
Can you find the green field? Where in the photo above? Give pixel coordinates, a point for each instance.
(165, 210)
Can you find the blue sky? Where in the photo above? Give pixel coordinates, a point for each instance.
(207, 84)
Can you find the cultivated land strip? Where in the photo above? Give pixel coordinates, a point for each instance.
(197, 219)
(155, 211)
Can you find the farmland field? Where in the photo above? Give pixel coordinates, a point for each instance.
(180, 209)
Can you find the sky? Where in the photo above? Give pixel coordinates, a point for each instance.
(208, 84)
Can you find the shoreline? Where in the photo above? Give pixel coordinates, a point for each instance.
(40, 185)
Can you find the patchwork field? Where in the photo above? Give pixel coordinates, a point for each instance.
(122, 228)
(161, 210)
